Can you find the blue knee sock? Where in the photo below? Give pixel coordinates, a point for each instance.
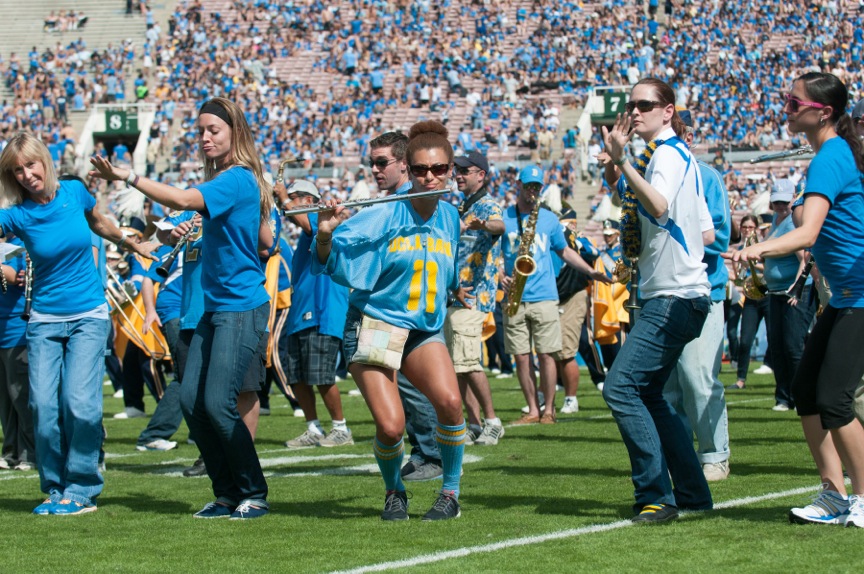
(451, 444)
(389, 460)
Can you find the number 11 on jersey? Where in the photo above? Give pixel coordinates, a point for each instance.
(416, 287)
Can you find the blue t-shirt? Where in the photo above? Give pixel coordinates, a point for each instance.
(192, 296)
(13, 329)
(232, 277)
(316, 300)
(401, 267)
(169, 300)
(839, 249)
(57, 238)
(717, 199)
(548, 237)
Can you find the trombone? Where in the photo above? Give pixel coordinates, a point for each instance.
(119, 298)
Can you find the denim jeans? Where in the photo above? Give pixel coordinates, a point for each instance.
(752, 314)
(787, 331)
(67, 363)
(655, 437)
(222, 348)
(696, 393)
(168, 415)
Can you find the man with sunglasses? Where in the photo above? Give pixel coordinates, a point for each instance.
(536, 324)
(390, 169)
(479, 251)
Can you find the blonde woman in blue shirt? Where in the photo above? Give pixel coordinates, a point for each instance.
(400, 259)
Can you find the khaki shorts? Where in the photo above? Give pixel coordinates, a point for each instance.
(572, 315)
(462, 330)
(534, 322)
(858, 407)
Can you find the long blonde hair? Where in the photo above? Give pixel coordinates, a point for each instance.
(23, 146)
(242, 152)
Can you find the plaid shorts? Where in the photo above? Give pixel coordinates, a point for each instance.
(312, 357)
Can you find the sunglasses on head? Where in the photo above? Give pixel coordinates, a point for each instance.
(794, 104)
(380, 162)
(643, 106)
(438, 170)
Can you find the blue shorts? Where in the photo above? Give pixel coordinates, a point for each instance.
(416, 338)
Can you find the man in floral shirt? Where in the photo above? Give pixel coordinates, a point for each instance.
(479, 250)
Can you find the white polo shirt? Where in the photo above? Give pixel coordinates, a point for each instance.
(672, 249)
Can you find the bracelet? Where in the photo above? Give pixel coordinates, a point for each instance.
(3, 283)
(132, 179)
(122, 242)
(621, 161)
(319, 242)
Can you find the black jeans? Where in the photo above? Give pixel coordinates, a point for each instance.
(753, 313)
(787, 332)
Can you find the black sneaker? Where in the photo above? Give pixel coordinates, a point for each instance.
(395, 505)
(655, 513)
(445, 507)
(197, 469)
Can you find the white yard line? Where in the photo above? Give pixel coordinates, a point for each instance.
(541, 538)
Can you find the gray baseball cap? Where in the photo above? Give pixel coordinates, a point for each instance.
(858, 110)
(304, 186)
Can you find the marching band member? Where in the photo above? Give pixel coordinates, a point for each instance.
(315, 327)
(665, 225)
(235, 203)
(479, 250)
(400, 258)
(69, 321)
(19, 449)
(694, 388)
(832, 364)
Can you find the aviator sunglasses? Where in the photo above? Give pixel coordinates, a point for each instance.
(643, 106)
(438, 170)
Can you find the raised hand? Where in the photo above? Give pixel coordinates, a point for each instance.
(104, 169)
(330, 219)
(618, 137)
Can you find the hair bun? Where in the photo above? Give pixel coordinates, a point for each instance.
(428, 127)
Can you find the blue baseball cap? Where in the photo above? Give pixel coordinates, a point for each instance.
(531, 174)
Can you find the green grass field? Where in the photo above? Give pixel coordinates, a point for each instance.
(553, 482)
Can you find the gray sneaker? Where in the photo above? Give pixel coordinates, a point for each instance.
(490, 435)
(308, 439)
(715, 471)
(421, 471)
(472, 433)
(337, 437)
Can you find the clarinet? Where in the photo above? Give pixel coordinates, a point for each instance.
(164, 269)
(797, 290)
(28, 290)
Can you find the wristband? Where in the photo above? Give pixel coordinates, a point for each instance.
(132, 179)
(122, 242)
(621, 161)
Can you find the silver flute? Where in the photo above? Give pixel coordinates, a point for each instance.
(365, 202)
(803, 150)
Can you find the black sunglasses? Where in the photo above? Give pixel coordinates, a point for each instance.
(643, 106)
(380, 163)
(438, 170)
(464, 170)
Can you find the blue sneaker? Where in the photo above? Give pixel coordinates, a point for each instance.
(828, 507)
(45, 508)
(247, 510)
(214, 510)
(68, 507)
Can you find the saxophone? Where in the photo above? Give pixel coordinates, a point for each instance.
(524, 266)
(754, 286)
(280, 174)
